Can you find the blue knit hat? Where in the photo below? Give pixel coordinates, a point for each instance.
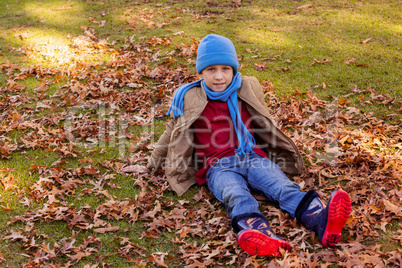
(216, 50)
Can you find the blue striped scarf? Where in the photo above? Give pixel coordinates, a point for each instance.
(246, 140)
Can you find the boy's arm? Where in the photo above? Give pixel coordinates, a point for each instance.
(158, 156)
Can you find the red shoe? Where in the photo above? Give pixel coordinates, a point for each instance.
(257, 238)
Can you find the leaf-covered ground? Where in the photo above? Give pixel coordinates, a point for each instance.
(85, 120)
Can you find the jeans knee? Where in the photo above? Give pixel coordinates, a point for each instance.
(234, 194)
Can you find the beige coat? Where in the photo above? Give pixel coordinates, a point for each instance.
(175, 149)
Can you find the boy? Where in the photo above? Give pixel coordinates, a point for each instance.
(223, 121)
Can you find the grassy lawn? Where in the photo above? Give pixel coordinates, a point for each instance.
(84, 86)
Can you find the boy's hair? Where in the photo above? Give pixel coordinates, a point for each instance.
(216, 50)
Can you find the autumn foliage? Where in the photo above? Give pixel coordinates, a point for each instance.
(70, 114)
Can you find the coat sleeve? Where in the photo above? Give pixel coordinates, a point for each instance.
(158, 156)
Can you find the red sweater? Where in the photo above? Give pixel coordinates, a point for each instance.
(215, 136)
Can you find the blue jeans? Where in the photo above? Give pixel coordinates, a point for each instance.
(231, 178)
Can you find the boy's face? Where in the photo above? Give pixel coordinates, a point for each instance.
(218, 77)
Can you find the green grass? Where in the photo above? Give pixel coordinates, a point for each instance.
(42, 33)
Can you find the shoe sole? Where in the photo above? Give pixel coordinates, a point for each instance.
(257, 243)
(338, 214)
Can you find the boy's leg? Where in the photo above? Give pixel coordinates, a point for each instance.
(266, 177)
(226, 181)
(327, 221)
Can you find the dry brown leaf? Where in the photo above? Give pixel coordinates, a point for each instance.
(367, 40)
(139, 169)
(284, 69)
(236, 3)
(158, 258)
(393, 208)
(79, 255)
(184, 231)
(260, 66)
(106, 229)
(350, 61)
(321, 61)
(304, 6)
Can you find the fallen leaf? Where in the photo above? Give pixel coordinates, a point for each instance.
(6, 170)
(367, 40)
(393, 208)
(260, 66)
(106, 229)
(350, 61)
(158, 258)
(79, 255)
(139, 169)
(304, 6)
(184, 231)
(320, 61)
(284, 69)
(6, 208)
(236, 3)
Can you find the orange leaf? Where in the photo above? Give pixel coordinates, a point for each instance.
(184, 231)
(6, 170)
(342, 102)
(6, 208)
